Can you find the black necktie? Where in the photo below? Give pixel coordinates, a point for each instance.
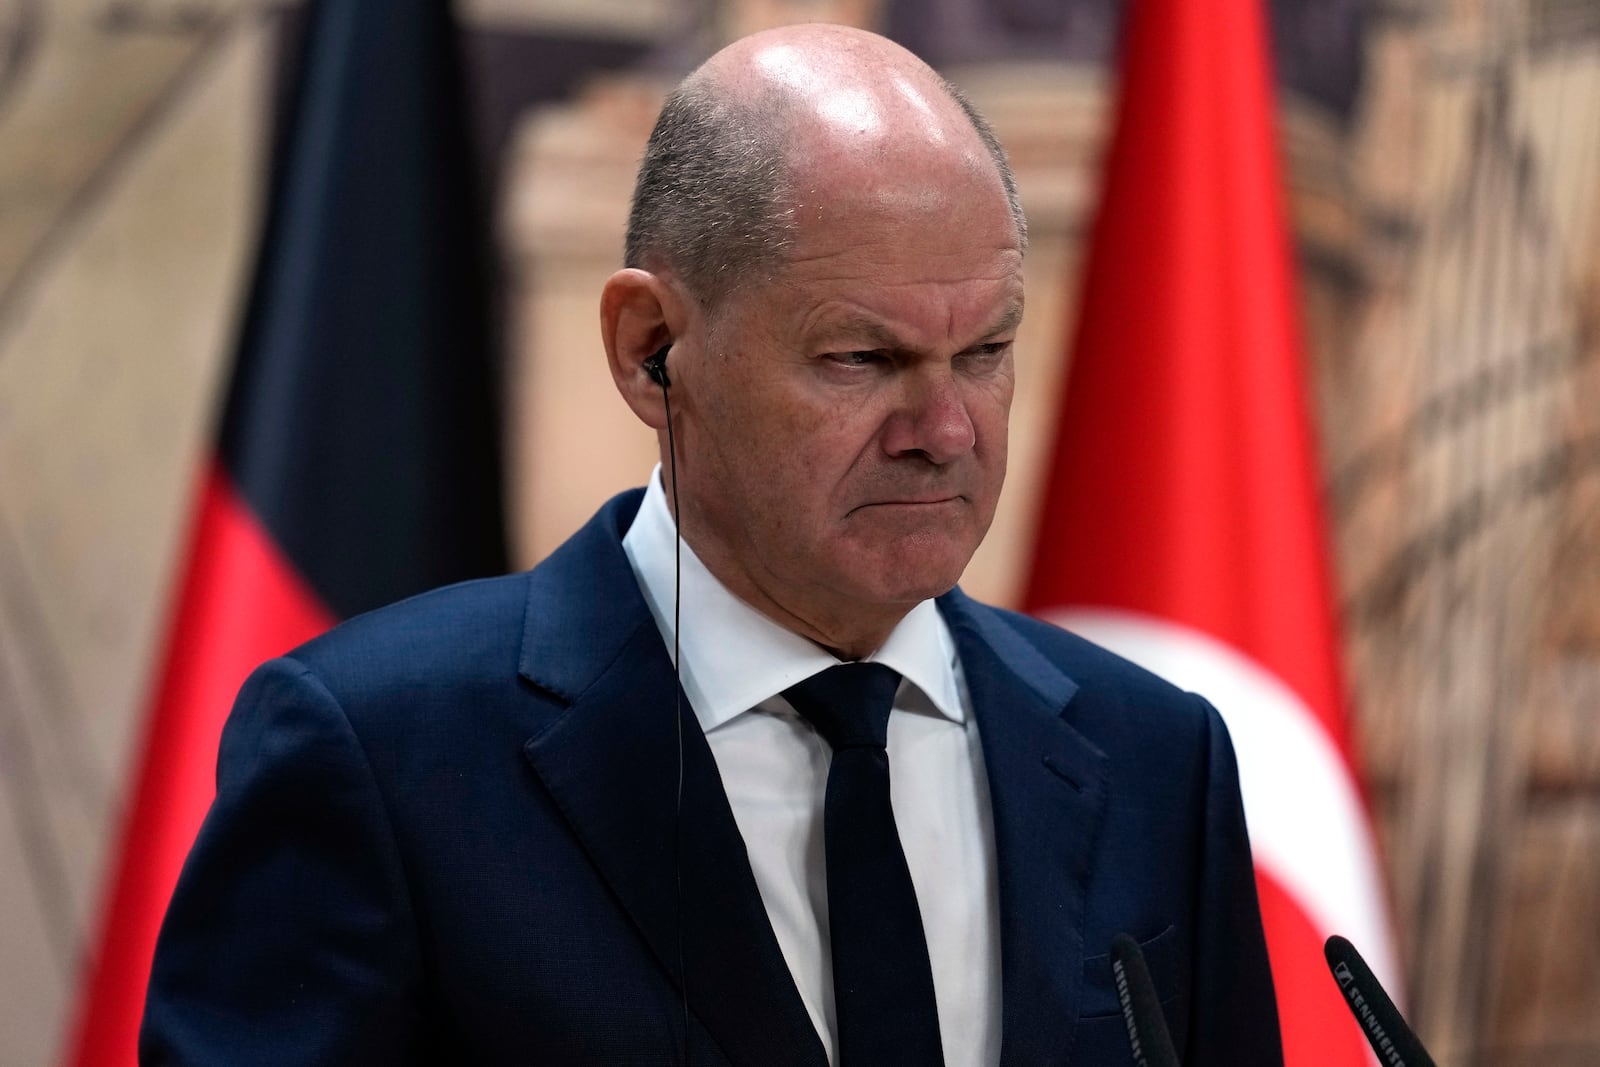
(882, 981)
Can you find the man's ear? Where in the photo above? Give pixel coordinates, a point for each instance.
(640, 312)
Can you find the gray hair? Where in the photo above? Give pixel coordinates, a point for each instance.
(712, 202)
(997, 152)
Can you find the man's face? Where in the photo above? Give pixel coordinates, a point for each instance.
(843, 438)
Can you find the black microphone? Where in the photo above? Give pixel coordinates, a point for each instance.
(1387, 1032)
(1141, 1008)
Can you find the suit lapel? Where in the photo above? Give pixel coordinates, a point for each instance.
(1047, 787)
(610, 762)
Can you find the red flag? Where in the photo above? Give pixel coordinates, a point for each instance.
(239, 602)
(1182, 523)
(357, 460)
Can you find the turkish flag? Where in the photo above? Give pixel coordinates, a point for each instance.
(1182, 524)
(357, 461)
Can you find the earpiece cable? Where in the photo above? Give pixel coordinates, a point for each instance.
(677, 676)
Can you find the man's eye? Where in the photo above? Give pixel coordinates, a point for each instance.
(859, 358)
(987, 352)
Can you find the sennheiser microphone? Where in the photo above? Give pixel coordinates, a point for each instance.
(1141, 1008)
(1380, 1020)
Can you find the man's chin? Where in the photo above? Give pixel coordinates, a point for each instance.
(905, 580)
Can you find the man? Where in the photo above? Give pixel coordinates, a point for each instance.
(478, 827)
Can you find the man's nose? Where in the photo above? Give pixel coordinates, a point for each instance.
(931, 417)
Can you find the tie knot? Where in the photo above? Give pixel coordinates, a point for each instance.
(848, 704)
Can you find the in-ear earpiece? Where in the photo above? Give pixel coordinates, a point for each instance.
(656, 366)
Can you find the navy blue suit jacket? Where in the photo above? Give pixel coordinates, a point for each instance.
(444, 833)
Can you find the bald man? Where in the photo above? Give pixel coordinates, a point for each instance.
(866, 820)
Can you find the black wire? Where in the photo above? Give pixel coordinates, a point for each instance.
(677, 707)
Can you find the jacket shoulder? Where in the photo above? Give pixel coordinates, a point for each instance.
(444, 637)
(1119, 706)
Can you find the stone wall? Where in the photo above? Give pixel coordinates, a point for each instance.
(130, 148)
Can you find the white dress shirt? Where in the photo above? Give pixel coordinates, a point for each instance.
(774, 766)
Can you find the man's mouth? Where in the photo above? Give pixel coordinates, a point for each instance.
(928, 501)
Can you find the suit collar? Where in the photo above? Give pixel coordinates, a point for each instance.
(589, 640)
(1047, 786)
(607, 760)
(583, 605)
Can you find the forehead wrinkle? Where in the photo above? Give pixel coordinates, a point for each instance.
(874, 255)
(1008, 319)
(830, 320)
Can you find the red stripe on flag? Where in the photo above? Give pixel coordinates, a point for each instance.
(1317, 1027)
(241, 602)
(1182, 485)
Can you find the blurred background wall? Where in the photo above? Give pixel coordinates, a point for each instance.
(1444, 160)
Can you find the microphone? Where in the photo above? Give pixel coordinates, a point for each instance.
(1141, 1008)
(1386, 1031)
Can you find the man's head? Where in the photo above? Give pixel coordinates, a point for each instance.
(829, 239)
(714, 201)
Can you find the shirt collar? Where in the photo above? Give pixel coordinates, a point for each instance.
(734, 657)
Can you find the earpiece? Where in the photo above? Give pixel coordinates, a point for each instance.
(656, 366)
